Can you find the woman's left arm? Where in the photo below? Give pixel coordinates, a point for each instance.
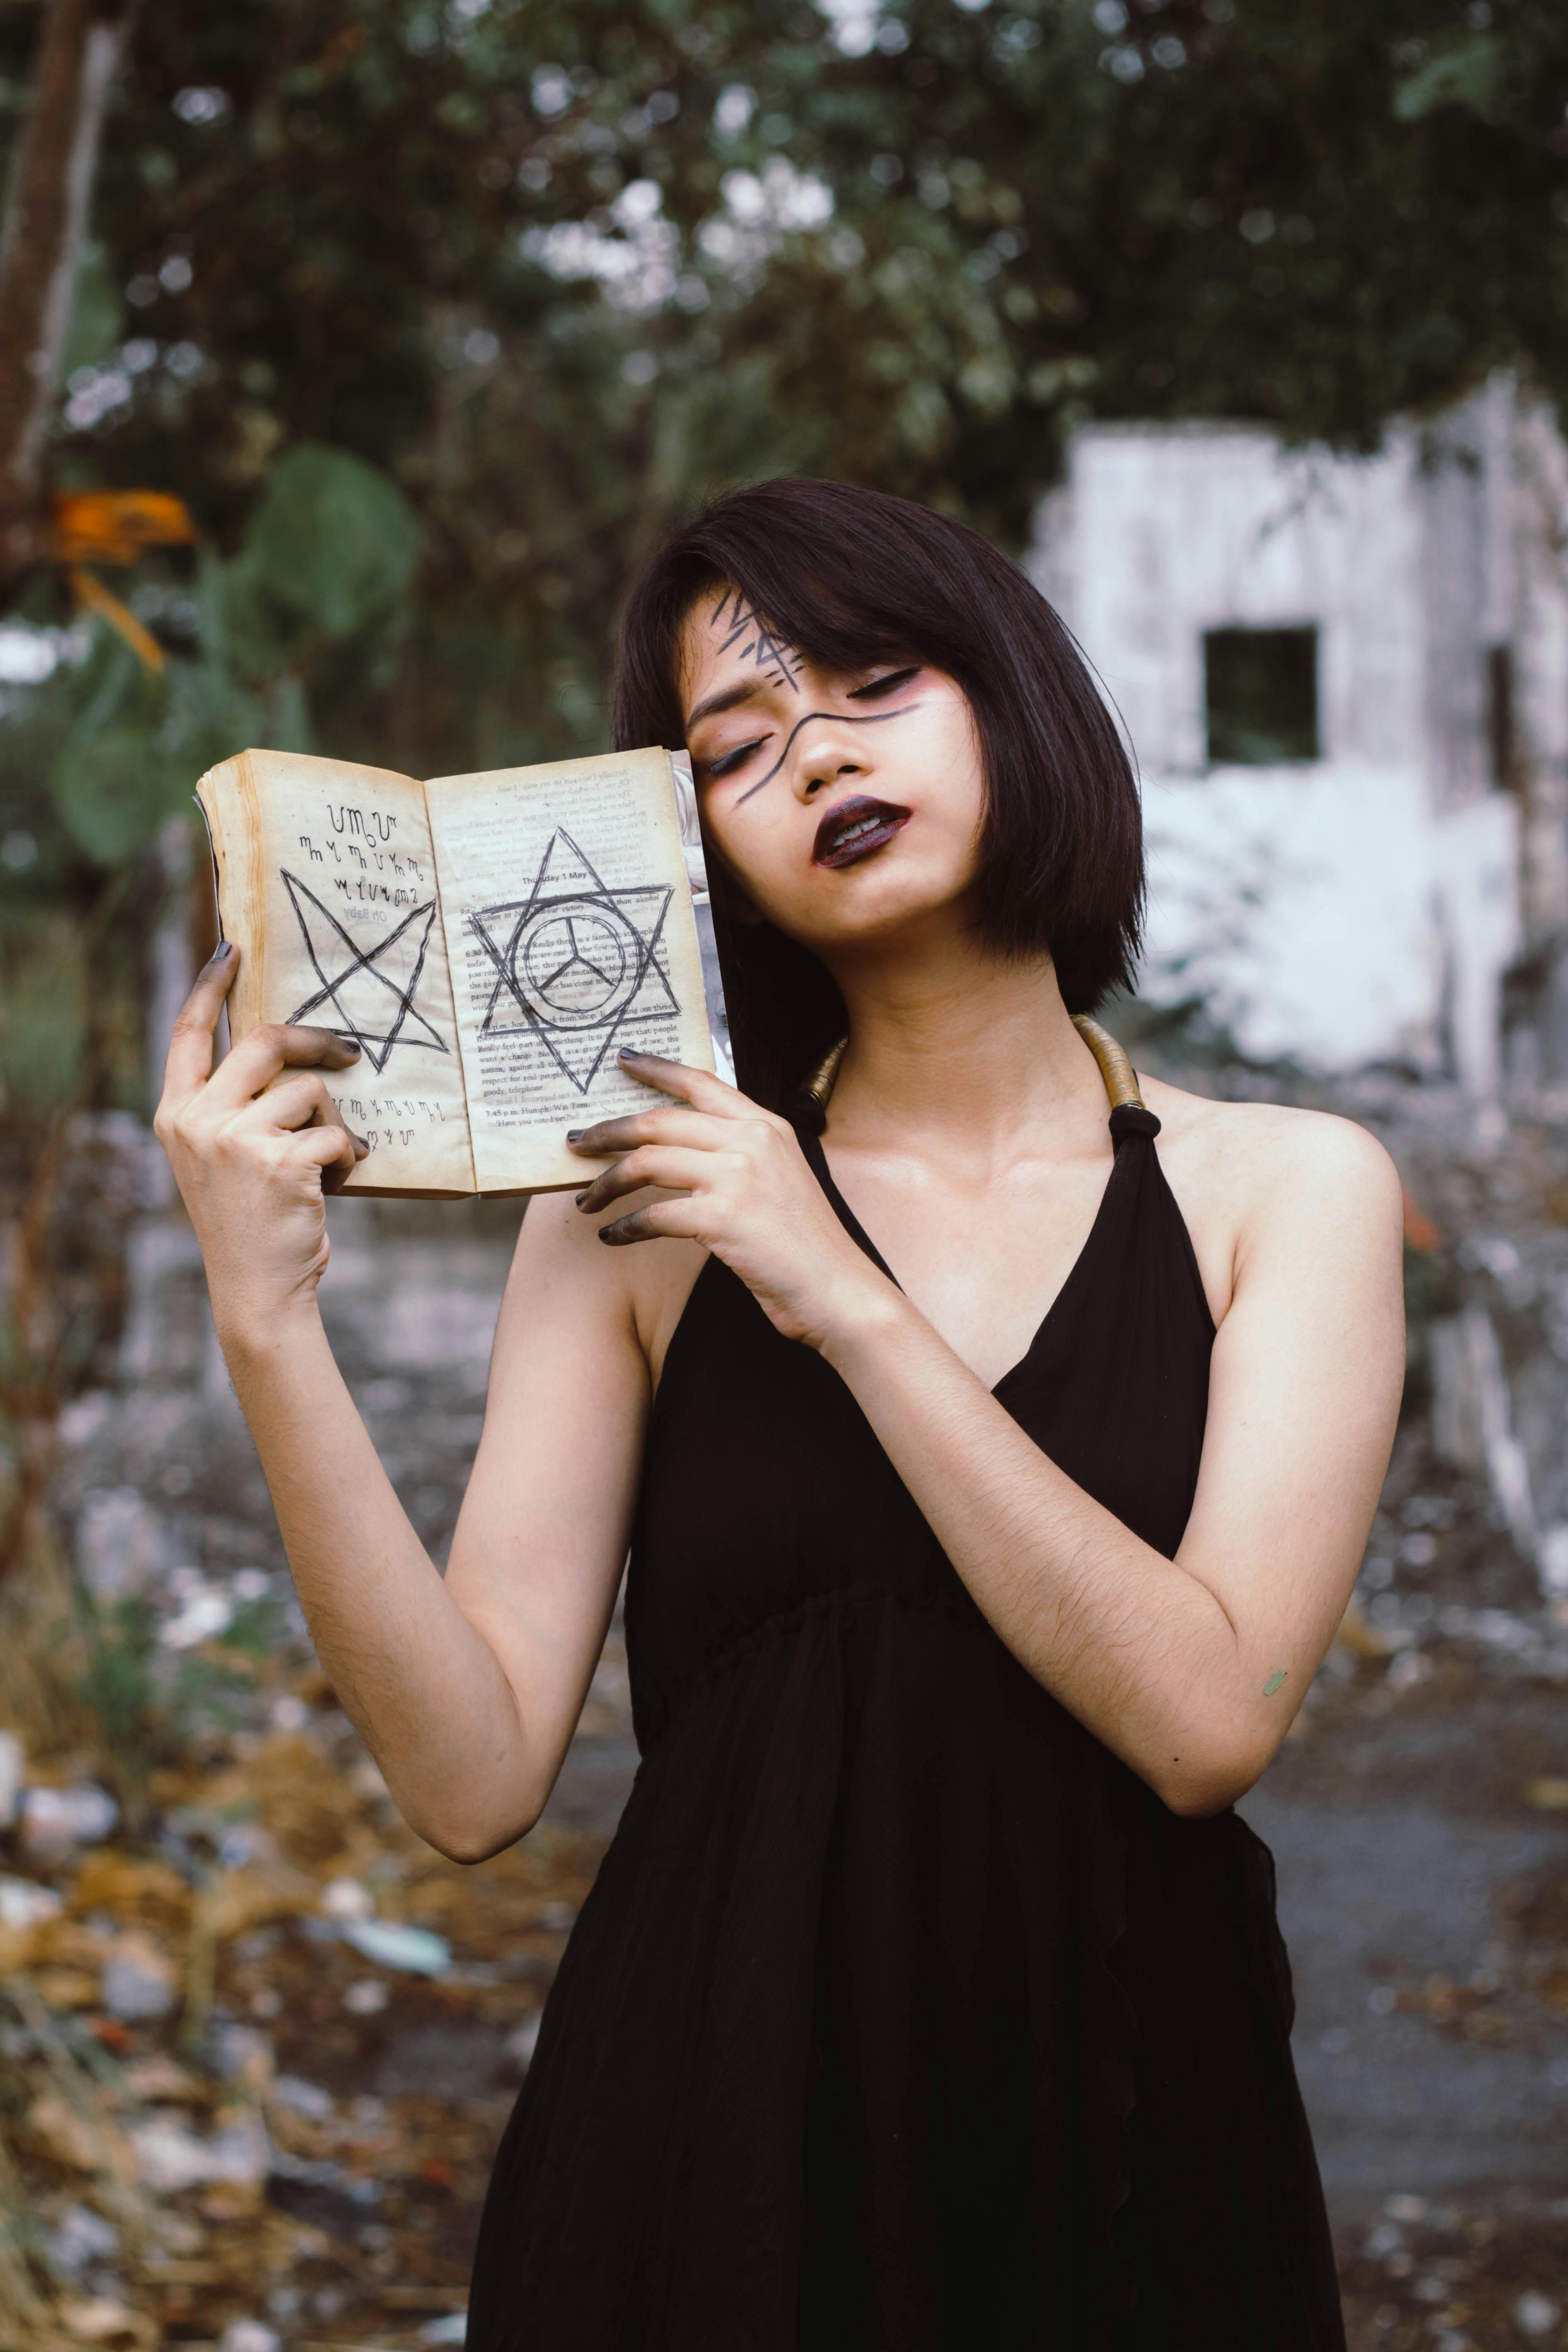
(1191, 1669)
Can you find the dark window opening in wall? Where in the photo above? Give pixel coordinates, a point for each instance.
(1261, 693)
(1499, 716)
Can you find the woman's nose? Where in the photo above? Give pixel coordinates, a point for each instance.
(827, 770)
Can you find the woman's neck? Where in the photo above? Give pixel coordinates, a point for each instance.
(961, 1044)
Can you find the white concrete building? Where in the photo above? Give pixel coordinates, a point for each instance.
(1346, 684)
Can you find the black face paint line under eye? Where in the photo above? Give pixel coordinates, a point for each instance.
(841, 718)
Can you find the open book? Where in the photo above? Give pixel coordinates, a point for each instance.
(489, 941)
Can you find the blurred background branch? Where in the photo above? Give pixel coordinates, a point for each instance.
(80, 49)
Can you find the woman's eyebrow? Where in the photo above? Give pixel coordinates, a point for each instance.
(731, 699)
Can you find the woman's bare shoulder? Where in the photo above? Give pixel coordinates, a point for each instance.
(1243, 1144)
(1262, 1177)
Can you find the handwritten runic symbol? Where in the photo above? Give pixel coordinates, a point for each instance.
(370, 990)
(576, 961)
(770, 653)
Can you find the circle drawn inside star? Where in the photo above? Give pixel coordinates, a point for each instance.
(577, 963)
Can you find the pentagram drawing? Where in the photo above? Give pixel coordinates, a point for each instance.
(576, 961)
(370, 990)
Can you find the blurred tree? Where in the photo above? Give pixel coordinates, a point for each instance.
(40, 250)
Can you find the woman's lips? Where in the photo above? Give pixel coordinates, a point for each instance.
(856, 828)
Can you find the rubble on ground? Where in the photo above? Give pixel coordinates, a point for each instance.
(256, 2058)
(1447, 2279)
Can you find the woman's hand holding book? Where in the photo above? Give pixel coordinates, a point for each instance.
(734, 1179)
(254, 1145)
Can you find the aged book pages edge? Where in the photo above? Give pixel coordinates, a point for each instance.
(241, 923)
(239, 873)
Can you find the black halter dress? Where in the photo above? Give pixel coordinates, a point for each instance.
(903, 2017)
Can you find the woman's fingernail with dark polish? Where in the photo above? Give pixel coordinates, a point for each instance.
(607, 1234)
(222, 952)
(627, 1055)
(575, 1134)
(580, 1198)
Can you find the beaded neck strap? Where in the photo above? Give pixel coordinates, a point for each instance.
(1121, 1082)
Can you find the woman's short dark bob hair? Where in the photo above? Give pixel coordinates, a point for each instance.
(853, 577)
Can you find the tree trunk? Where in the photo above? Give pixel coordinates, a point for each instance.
(40, 250)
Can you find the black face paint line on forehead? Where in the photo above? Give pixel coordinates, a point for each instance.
(782, 662)
(839, 719)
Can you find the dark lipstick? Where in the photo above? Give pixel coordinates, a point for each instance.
(856, 828)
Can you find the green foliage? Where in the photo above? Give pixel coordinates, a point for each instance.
(43, 1009)
(439, 315)
(112, 785)
(98, 319)
(1432, 1285)
(557, 272)
(257, 1627)
(150, 1703)
(330, 550)
(1462, 73)
(332, 541)
(95, 763)
(112, 788)
(73, 932)
(117, 1683)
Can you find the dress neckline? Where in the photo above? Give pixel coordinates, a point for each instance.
(816, 1159)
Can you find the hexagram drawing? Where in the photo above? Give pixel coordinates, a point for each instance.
(576, 961)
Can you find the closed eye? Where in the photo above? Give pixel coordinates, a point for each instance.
(888, 685)
(727, 765)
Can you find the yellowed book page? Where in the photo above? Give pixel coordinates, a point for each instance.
(327, 886)
(570, 924)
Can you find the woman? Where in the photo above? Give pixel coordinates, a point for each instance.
(929, 1995)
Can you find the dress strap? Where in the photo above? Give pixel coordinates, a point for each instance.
(1120, 1080)
(817, 1087)
(1115, 1069)
(1133, 1118)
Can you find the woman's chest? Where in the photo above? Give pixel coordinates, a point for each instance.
(764, 1484)
(984, 1256)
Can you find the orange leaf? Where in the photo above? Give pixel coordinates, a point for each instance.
(1419, 1231)
(114, 526)
(94, 597)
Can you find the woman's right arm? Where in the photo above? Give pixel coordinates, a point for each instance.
(465, 1688)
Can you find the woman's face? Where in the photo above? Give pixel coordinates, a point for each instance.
(847, 803)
